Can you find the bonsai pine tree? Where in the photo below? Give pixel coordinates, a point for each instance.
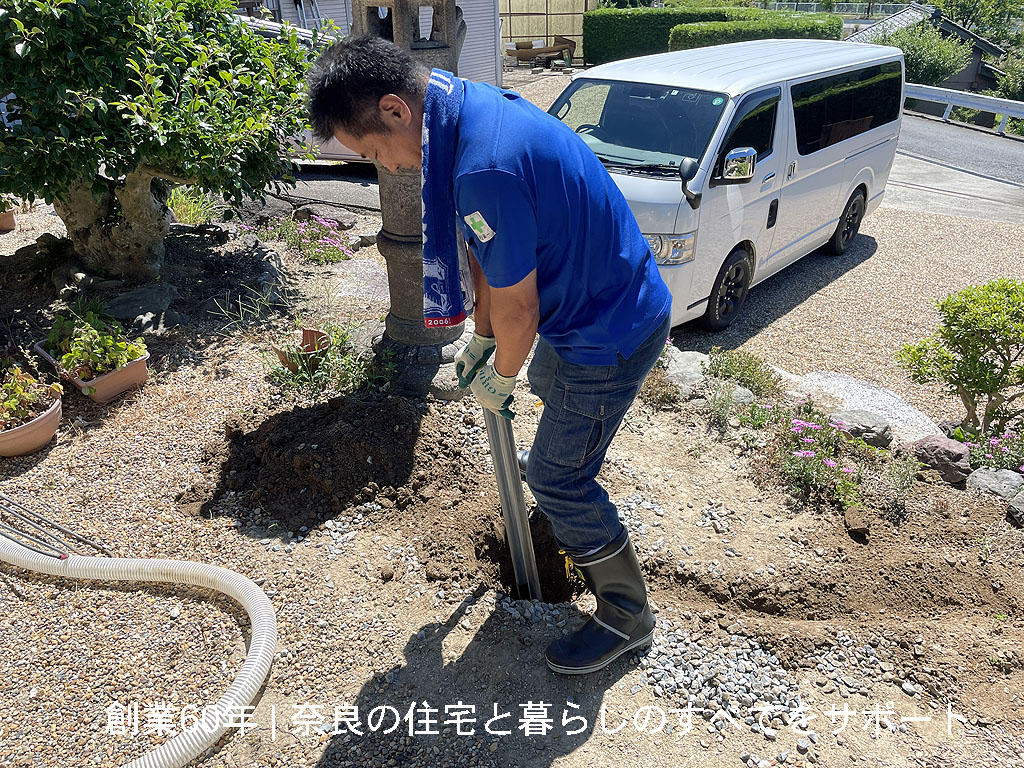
(113, 101)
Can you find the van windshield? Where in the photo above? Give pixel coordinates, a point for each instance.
(638, 124)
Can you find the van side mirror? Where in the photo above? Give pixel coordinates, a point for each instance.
(739, 164)
(688, 168)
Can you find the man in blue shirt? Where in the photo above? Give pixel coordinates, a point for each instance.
(555, 251)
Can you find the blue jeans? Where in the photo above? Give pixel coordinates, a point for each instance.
(583, 408)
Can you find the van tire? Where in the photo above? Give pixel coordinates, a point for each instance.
(730, 291)
(848, 226)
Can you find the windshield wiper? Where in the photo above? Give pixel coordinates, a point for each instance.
(668, 168)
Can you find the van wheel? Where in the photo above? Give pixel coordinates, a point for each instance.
(730, 291)
(849, 225)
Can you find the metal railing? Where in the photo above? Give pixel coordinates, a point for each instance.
(850, 9)
(1006, 107)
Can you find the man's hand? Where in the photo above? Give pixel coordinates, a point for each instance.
(473, 357)
(494, 391)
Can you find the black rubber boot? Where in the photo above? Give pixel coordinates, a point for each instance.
(623, 620)
(523, 455)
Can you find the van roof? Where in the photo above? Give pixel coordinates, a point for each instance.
(735, 68)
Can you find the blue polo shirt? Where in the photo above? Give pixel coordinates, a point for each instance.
(531, 195)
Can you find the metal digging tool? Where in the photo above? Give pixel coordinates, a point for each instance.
(513, 503)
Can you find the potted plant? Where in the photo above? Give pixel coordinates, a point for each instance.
(306, 354)
(91, 350)
(29, 412)
(6, 214)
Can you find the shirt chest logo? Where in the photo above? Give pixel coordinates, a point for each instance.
(479, 226)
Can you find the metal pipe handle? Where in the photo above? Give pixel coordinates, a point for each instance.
(513, 503)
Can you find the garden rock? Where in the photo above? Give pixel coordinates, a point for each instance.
(1016, 509)
(154, 298)
(742, 396)
(906, 422)
(948, 457)
(152, 322)
(685, 369)
(1002, 482)
(343, 218)
(855, 520)
(870, 427)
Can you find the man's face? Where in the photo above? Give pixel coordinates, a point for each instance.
(400, 146)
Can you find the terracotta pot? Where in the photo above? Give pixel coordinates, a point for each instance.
(108, 386)
(7, 221)
(309, 354)
(29, 438)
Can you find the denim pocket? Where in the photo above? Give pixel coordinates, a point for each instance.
(589, 420)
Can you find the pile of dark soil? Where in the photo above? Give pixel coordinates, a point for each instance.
(310, 464)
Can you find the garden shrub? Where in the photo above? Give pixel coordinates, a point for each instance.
(820, 26)
(116, 100)
(745, 369)
(930, 58)
(977, 355)
(610, 34)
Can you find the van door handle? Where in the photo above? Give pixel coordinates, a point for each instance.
(768, 178)
(792, 170)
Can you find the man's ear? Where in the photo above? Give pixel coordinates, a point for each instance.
(393, 108)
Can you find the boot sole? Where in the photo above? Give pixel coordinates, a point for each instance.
(643, 641)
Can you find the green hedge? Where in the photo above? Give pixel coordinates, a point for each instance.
(610, 34)
(825, 26)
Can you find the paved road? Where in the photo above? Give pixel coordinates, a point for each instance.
(963, 148)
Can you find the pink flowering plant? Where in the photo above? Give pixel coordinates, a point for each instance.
(1002, 451)
(816, 458)
(318, 240)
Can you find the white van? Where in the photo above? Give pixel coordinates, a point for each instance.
(739, 159)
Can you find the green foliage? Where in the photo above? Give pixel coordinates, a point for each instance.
(759, 416)
(930, 58)
(23, 398)
(990, 18)
(341, 369)
(318, 240)
(192, 206)
(180, 88)
(657, 391)
(720, 405)
(744, 368)
(977, 354)
(610, 34)
(1011, 86)
(87, 346)
(823, 26)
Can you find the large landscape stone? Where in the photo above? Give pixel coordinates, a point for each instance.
(907, 423)
(947, 457)
(343, 218)
(155, 298)
(685, 369)
(1016, 509)
(1002, 482)
(870, 427)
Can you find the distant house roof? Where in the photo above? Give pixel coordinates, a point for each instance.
(915, 13)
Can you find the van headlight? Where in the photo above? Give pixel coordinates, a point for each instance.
(672, 250)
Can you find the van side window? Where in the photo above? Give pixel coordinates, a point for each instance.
(756, 128)
(835, 108)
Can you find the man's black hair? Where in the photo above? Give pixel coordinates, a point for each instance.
(347, 82)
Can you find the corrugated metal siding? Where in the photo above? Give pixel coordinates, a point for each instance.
(479, 58)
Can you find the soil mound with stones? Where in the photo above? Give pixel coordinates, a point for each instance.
(391, 463)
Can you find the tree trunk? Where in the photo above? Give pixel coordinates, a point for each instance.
(122, 232)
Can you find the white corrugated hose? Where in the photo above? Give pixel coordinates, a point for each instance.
(192, 742)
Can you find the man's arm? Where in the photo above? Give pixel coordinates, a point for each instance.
(482, 312)
(514, 314)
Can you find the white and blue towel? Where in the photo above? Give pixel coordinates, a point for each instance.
(447, 284)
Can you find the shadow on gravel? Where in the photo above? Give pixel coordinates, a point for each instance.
(777, 296)
(409, 716)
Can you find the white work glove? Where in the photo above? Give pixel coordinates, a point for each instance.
(473, 357)
(494, 391)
